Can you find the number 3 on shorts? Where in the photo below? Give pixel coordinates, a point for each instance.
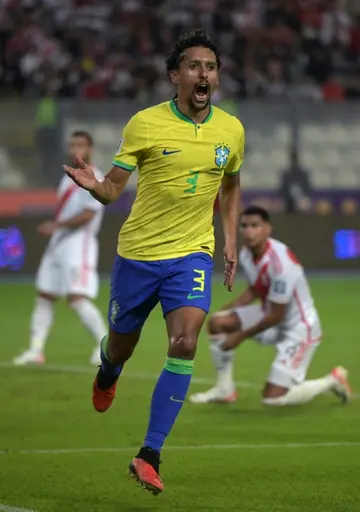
(199, 285)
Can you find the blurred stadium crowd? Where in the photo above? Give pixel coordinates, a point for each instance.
(115, 48)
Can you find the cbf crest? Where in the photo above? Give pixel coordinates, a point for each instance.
(114, 311)
(222, 152)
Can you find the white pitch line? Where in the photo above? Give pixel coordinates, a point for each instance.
(63, 368)
(55, 368)
(267, 446)
(7, 508)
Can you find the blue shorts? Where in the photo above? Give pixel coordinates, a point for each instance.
(137, 287)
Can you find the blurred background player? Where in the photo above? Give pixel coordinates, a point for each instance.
(186, 150)
(69, 265)
(287, 319)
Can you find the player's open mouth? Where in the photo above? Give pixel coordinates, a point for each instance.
(202, 92)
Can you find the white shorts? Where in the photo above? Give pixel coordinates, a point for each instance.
(294, 348)
(70, 268)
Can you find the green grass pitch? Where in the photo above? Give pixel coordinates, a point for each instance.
(57, 454)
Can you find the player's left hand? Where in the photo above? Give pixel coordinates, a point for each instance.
(230, 259)
(47, 228)
(233, 340)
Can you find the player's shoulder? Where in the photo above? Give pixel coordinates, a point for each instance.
(232, 123)
(281, 256)
(245, 256)
(153, 112)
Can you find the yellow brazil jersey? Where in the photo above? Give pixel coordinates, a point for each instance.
(180, 166)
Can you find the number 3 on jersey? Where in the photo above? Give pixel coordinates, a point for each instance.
(192, 181)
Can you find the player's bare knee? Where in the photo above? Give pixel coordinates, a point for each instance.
(214, 325)
(47, 296)
(183, 346)
(226, 322)
(271, 391)
(71, 299)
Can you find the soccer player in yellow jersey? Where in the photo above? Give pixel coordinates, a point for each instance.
(185, 150)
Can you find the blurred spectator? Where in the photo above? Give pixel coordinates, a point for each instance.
(295, 187)
(323, 207)
(116, 48)
(48, 135)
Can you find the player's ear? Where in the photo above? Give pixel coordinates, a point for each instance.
(174, 77)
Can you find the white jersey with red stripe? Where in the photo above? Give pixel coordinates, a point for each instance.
(73, 200)
(69, 264)
(279, 277)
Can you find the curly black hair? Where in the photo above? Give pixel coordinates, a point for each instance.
(198, 37)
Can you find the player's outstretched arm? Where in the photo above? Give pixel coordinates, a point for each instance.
(106, 191)
(230, 197)
(109, 190)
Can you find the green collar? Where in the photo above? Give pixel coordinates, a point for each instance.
(187, 119)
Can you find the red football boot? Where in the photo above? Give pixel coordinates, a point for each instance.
(145, 469)
(102, 398)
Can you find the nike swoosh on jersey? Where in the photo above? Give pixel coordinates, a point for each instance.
(166, 152)
(191, 296)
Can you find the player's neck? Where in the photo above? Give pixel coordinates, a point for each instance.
(258, 252)
(195, 115)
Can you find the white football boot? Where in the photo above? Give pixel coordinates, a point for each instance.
(214, 395)
(29, 357)
(341, 386)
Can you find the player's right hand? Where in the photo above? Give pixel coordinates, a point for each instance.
(83, 175)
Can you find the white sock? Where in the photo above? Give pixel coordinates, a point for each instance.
(303, 393)
(91, 317)
(223, 362)
(41, 321)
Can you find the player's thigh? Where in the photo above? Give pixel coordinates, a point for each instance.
(187, 283)
(79, 266)
(48, 279)
(293, 358)
(81, 281)
(251, 315)
(133, 295)
(185, 296)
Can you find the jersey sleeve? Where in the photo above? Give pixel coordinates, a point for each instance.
(237, 159)
(243, 265)
(282, 285)
(133, 144)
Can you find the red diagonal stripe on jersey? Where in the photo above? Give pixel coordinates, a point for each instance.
(64, 199)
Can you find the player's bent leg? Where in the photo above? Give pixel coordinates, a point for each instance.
(116, 349)
(287, 386)
(92, 319)
(40, 324)
(133, 295)
(306, 391)
(183, 326)
(224, 391)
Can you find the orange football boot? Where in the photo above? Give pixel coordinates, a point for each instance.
(146, 472)
(102, 398)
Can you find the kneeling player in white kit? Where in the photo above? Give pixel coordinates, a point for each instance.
(69, 265)
(286, 318)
